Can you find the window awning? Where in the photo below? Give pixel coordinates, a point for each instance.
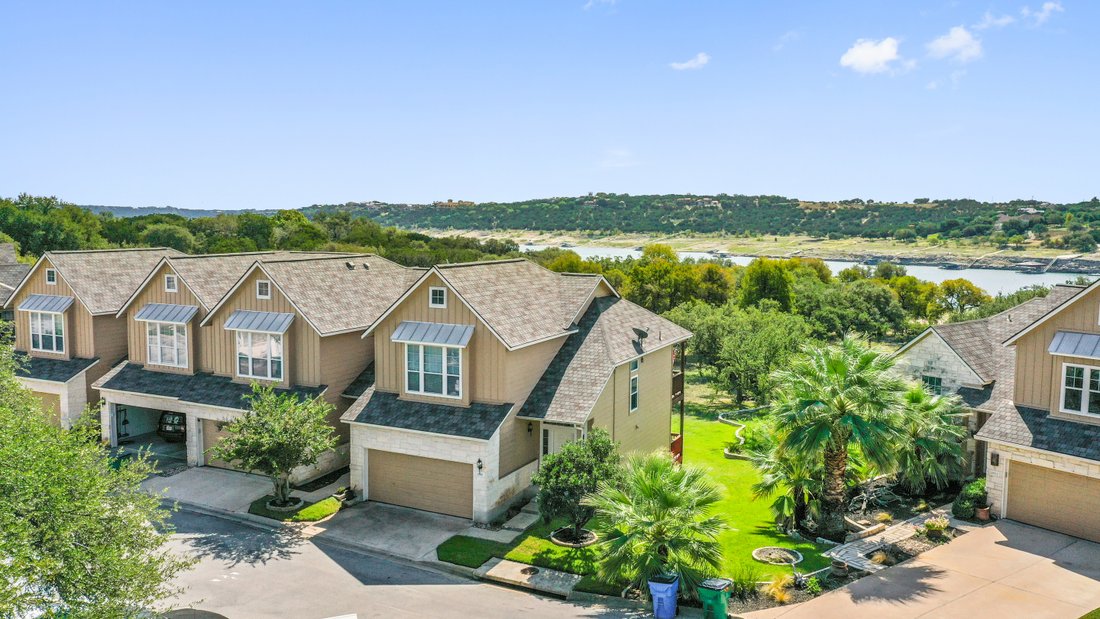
(1072, 344)
(166, 312)
(409, 332)
(46, 303)
(263, 322)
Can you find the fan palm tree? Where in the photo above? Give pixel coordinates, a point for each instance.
(657, 521)
(931, 447)
(795, 482)
(831, 397)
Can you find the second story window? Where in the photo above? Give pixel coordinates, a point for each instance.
(437, 297)
(1080, 389)
(263, 289)
(634, 385)
(934, 384)
(433, 370)
(170, 284)
(51, 277)
(166, 344)
(47, 332)
(260, 355)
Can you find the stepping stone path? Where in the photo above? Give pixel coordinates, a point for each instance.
(855, 553)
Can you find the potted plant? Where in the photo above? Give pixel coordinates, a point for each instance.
(982, 513)
(935, 527)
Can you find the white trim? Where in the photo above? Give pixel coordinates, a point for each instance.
(1050, 314)
(53, 332)
(634, 393)
(431, 293)
(30, 382)
(49, 271)
(420, 371)
(933, 331)
(139, 394)
(260, 295)
(993, 441)
(270, 358)
(176, 326)
(259, 265)
(175, 282)
(1085, 390)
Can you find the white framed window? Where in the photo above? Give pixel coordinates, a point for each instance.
(51, 277)
(633, 393)
(47, 332)
(437, 297)
(260, 355)
(1080, 389)
(433, 370)
(263, 289)
(170, 283)
(634, 366)
(166, 344)
(934, 384)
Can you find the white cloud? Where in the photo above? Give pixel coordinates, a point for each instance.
(698, 62)
(789, 36)
(958, 44)
(618, 158)
(870, 56)
(933, 85)
(1043, 13)
(592, 3)
(989, 20)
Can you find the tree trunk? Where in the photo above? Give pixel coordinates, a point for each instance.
(282, 489)
(799, 509)
(832, 497)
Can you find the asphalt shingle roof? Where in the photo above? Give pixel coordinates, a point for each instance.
(104, 279)
(200, 388)
(210, 277)
(11, 273)
(359, 386)
(1029, 427)
(53, 370)
(605, 339)
(520, 300)
(380, 408)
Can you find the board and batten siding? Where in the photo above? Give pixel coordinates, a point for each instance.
(343, 357)
(648, 428)
(154, 293)
(1038, 373)
(301, 343)
(79, 340)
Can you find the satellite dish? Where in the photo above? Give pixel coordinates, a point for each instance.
(641, 333)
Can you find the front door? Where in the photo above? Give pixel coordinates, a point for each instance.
(554, 437)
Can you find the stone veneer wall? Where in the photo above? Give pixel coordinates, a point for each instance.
(492, 496)
(995, 475)
(932, 357)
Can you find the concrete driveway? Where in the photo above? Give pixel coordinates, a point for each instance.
(397, 531)
(1005, 570)
(231, 491)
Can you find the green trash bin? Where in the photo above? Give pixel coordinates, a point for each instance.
(715, 595)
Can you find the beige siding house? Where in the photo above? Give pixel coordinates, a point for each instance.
(202, 329)
(483, 368)
(66, 331)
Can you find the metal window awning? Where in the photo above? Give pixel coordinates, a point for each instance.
(166, 312)
(263, 322)
(1072, 344)
(409, 332)
(46, 303)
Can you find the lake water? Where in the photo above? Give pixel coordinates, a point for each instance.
(993, 281)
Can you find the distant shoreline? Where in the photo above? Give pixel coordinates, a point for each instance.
(848, 250)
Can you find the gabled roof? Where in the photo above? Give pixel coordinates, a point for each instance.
(332, 296)
(11, 273)
(605, 339)
(102, 279)
(1051, 312)
(1034, 428)
(210, 276)
(52, 370)
(378, 408)
(521, 302)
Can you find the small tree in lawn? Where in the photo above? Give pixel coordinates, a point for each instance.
(280, 433)
(575, 471)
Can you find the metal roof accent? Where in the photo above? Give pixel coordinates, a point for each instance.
(442, 334)
(1071, 344)
(46, 303)
(166, 312)
(264, 322)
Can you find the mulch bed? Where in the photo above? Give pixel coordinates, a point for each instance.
(763, 602)
(909, 548)
(322, 481)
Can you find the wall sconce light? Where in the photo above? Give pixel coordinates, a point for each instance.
(530, 427)
(995, 459)
(480, 465)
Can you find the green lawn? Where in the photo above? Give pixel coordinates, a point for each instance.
(309, 512)
(751, 520)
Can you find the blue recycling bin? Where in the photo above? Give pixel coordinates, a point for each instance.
(663, 590)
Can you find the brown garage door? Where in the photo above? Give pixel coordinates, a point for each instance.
(1054, 500)
(423, 483)
(51, 403)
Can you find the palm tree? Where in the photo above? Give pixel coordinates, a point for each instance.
(931, 448)
(794, 481)
(657, 521)
(832, 397)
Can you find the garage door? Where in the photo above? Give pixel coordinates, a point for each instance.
(1054, 500)
(51, 403)
(422, 483)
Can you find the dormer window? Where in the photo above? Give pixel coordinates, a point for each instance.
(51, 277)
(437, 297)
(170, 283)
(47, 332)
(263, 289)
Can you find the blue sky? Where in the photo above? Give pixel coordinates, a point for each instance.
(282, 105)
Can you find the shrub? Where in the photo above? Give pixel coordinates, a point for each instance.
(880, 557)
(744, 581)
(884, 517)
(971, 497)
(812, 586)
(939, 523)
(778, 589)
(567, 476)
